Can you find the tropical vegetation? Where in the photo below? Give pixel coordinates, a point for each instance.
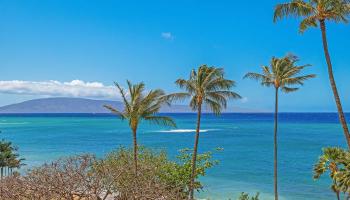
(282, 74)
(9, 159)
(140, 173)
(335, 162)
(140, 106)
(245, 196)
(205, 86)
(86, 177)
(316, 13)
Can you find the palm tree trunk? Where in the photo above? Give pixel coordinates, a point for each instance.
(333, 84)
(338, 195)
(135, 150)
(275, 145)
(195, 149)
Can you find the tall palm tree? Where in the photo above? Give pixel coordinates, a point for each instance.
(282, 74)
(206, 86)
(315, 13)
(139, 106)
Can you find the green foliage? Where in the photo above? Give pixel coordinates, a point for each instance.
(139, 105)
(178, 173)
(153, 166)
(9, 158)
(313, 11)
(206, 85)
(335, 162)
(245, 196)
(282, 73)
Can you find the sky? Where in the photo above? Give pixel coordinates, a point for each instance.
(78, 48)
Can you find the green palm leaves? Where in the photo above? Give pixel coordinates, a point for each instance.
(140, 106)
(282, 73)
(207, 86)
(9, 158)
(336, 162)
(313, 11)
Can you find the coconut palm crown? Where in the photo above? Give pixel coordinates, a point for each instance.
(141, 106)
(206, 86)
(314, 11)
(283, 73)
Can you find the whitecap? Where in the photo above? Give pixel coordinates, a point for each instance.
(13, 123)
(184, 130)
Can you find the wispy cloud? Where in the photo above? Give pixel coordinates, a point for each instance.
(75, 88)
(244, 100)
(167, 36)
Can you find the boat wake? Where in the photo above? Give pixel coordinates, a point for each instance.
(185, 131)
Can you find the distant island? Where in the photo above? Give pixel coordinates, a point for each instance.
(81, 105)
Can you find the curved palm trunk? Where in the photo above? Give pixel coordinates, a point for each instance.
(275, 145)
(135, 149)
(194, 156)
(333, 84)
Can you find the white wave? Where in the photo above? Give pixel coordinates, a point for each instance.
(185, 130)
(13, 123)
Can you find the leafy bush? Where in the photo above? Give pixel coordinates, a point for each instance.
(113, 177)
(245, 196)
(154, 169)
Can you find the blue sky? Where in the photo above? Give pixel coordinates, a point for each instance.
(160, 41)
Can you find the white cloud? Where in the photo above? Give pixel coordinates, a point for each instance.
(167, 35)
(75, 88)
(244, 100)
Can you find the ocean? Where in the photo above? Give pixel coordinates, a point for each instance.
(246, 162)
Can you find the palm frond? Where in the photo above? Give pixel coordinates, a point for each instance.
(306, 23)
(214, 106)
(227, 94)
(123, 95)
(282, 73)
(160, 120)
(179, 96)
(115, 111)
(295, 8)
(288, 89)
(219, 83)
(256, 76)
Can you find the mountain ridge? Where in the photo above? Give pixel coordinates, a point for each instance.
(83, 105)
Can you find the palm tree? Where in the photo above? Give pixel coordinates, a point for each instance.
(206, 86)
(314, 13)
(330, 161)
(138, 107)
(282, 74)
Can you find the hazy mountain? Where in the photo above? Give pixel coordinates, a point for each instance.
(80, 105)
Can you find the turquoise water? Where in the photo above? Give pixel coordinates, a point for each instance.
(247, 140)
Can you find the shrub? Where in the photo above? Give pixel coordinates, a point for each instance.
(245, 196)
(84, 177)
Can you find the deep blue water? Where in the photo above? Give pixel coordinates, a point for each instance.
(247, 139)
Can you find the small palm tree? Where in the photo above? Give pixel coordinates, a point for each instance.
(138, 107)
(314, 13)
(206, 86)
(282, 74)
(330, 161)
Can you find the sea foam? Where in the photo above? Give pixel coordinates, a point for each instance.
(184, 130)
